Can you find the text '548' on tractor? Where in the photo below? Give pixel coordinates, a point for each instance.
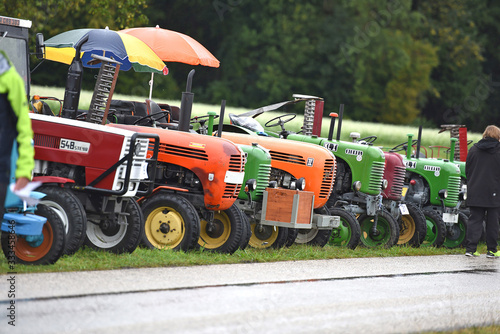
(92, 173)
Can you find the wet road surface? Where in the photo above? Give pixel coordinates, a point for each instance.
(376, 295)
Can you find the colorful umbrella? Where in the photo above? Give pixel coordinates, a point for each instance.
(172, 46)
(128, 50)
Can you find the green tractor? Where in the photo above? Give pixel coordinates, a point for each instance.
(435, 186)
(359, 176)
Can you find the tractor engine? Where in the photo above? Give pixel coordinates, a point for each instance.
(179, 176)
(418, 191)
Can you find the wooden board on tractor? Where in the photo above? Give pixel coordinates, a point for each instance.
(285, 205)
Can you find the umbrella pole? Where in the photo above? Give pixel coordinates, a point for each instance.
(151, 85)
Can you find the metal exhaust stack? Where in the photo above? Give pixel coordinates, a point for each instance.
(186, 104)
(341, 115)
(419, 138)
(221, 118)
(73, 84)
(333, 116)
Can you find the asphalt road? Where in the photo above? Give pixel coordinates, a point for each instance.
(375, 295)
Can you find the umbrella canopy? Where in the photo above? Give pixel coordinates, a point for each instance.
(128, 50)
(172, 46)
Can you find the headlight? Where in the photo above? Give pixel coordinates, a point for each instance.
(250, 185)
(385, 184)
(443, 193)
(300, 184)
(462, 195)
(356, 185)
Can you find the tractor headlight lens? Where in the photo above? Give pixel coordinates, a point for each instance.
(462, 195)
(356, 185)
(443, 193)
(385, 184)
(251, 185)
(300, 184)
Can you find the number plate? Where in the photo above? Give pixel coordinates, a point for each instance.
(450, 217)
(74, 145)
(404, 209)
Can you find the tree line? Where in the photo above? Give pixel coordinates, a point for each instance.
(389, 61)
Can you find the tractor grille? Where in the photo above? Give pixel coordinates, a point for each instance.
(328, 177)
(231, 190)
(181, 151)
(285, 157)
(376, 176)
(397, 182)
(453, 190)
(263, 179)
(46, 141)
(236, 163)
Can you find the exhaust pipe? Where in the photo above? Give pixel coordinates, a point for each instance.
(341, 115)
(73, 84)
(186, 105)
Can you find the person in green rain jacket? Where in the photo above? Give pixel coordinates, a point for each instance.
(15, 124)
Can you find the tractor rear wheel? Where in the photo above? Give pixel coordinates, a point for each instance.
(387, 231)
(171, 222)
(412, 227)
(348, 233)
(47, 250)
(119, 236)
(455, 234)
(265, 236)
(224, 234)
(436, 228)
(71, 211)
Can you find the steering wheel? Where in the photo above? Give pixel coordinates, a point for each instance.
(281, 120)
(401, 147)
(202, 119)
(152, 118)
(369, 139)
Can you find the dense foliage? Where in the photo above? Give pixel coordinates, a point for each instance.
(391, 61)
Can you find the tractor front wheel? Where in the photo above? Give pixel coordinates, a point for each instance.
(225, 233)
(265, 236)
(436, 228)
(45, 250)
(385, 234)
(455, 233)
(119, 236)
(171, 222)
(348, 234)
(412, 227)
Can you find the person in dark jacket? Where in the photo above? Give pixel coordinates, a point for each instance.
(482, 169)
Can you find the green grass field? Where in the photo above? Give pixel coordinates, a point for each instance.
(388, 135)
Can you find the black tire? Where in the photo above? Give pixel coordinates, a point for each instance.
(224, 235)
(265, 236)
(171, 222)
(455, 234)
(70, 209)
(292, 236)
(17, 249)
(118, 237)
(348, 234)
(436, 228)
(412, 227)
(247, 231)
(314, 237)
(387, 230)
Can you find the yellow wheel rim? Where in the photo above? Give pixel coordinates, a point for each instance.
(406, 230)
(263, 236)
(216, 234)
(165, 228)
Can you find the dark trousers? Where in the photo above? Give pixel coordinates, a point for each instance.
(3, 193)
(475, 228)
